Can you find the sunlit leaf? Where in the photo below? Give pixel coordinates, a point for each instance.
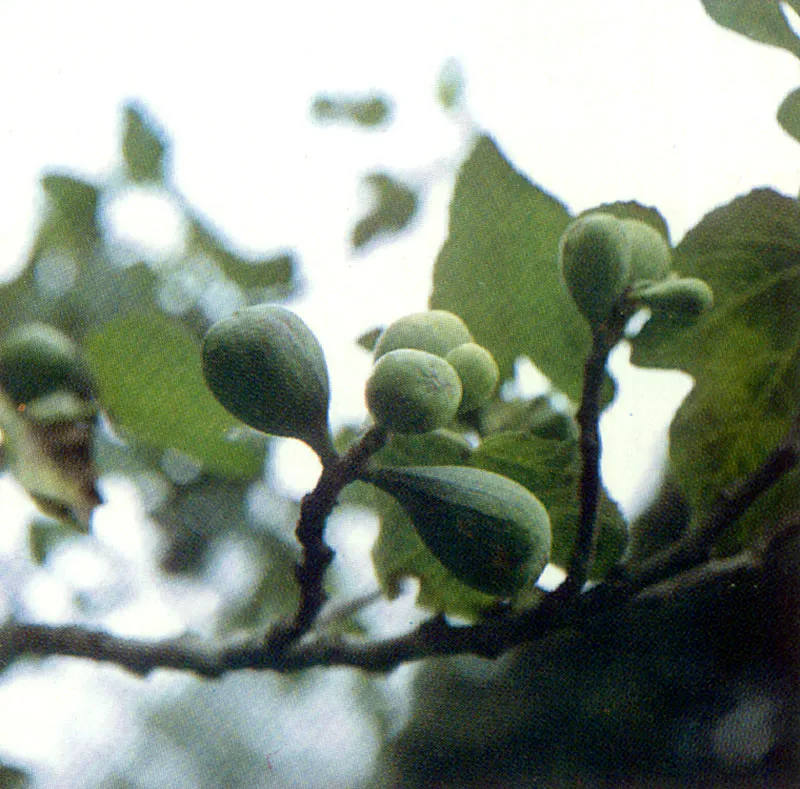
(550, 469)
(743, 354)
(760, 20)
(147, 370)
(498, 270)
(144, 146)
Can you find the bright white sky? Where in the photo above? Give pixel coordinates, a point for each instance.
(624, 99)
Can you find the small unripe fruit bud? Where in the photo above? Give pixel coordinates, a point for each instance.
(434, 331)
(267, 368)
(413, 391)
(651, 256)
(683, 298)
(595, 261)
(487, 530)
(479, 374)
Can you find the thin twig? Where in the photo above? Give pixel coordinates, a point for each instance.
(315, 508)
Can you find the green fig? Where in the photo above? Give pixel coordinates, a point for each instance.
(48, 418)
(682, 298)
(487, 530)
(434, 331)
(595, 261)
(411, 391)
(651, 256)
(267, 368)
(36, 360)
(479, 374)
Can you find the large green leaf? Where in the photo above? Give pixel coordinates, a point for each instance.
(147, 371)
(498, 270)
(744, 355)
(760, 20)
(550, 469)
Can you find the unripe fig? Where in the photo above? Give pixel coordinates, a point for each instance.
(48, 418)
(413, 391)
(684, 298)
(487, 530)
(479, 374)
(267, 368)
(36, 360)
(595, 261)
(651, 256)
(434, 331)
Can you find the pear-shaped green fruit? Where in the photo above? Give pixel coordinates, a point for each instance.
(651, 256)
(434, 331)
(36, 360)
(681, 298)
(267, 368)
(595, 261)
(413, 391)
(487, 530)
(479, 374)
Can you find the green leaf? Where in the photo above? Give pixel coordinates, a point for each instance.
(395, 205)
(551, 470)
(72, 201)
(368, 112)
(760, 20)
(498, 270)
(742, 354)
(789, 114)
(144, 146)
(272, 272)
(147, 371)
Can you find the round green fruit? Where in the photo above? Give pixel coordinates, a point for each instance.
(595, 261)
(489, 531)
(413, 391)
(479, 374)
(37, 360)
(267, 368)
(434, 331)
(651, 256)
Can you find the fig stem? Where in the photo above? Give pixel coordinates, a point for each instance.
(315, 507)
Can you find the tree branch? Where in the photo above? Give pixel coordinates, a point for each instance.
(604, 338)
(695, 546)
(433, 638)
